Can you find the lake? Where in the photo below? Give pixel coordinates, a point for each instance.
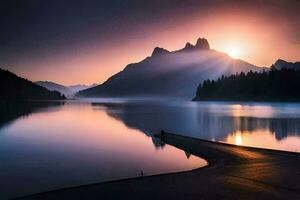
(51, 145)
(46, 146)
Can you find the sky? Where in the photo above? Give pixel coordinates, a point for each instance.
(87, 41)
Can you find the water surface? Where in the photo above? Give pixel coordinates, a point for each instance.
(45, 147)
(266, 125)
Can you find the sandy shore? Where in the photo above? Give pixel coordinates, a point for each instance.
(233, 172)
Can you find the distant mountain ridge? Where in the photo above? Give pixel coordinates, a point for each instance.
(282, 64)
(170, 73)
(56, 87)
(68, 91)
(13, 87)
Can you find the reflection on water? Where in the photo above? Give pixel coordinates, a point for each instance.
(10, 111)
(265, 139)
(49, 146)
(43, 147)
(238, 139)
(268, 125)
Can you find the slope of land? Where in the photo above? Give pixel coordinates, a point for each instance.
(13, 87)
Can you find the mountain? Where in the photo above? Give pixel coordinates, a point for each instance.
(271, 85)
(166, 73)
(56, 87)
(13, 87)
(281, 64)
(68, 91)
(77, 88)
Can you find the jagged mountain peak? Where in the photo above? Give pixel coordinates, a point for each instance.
(189, 46)
(159, 51)
(202, 43)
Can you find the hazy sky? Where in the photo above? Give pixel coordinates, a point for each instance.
(87, 41)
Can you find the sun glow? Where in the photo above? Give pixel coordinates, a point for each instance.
(233, 52)
(238, 139)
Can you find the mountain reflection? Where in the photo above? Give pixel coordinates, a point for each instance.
(10, 111)
(158, 143)
(262, 125)
(206, 122)
(42, 141)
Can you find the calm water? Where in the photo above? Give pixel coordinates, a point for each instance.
(267, 125)
(43, 147)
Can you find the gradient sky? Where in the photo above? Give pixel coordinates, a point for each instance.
(87, 41)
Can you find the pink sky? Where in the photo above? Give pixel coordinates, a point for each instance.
(258, 36)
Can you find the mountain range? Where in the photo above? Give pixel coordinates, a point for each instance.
(170, 73)
(68, 91)
(15, 88)
(164, 73)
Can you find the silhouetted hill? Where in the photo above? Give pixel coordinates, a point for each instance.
(273, 85)
(56, 87)
(13, 87)
(281, 64)
(166, 73)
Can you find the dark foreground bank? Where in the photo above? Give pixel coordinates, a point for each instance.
(233, 172)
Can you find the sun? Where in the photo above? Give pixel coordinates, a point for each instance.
(233, 52)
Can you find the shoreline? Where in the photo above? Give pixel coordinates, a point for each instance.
(194, 99)
(232, 172)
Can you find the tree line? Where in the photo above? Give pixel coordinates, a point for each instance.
(271, 85)
(13, 87)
